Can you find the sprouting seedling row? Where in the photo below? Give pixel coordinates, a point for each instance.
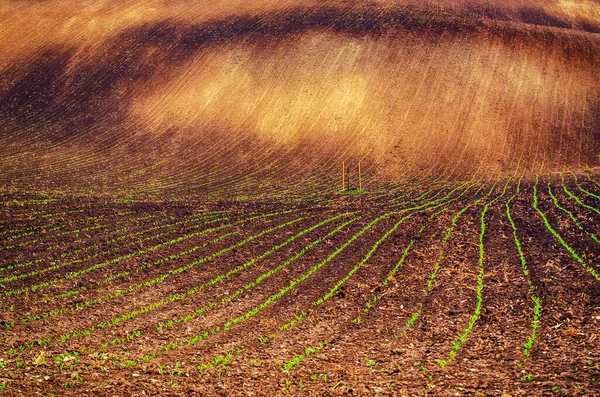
(258, 280)
(419, 197)
(160, 261)
(462, 338)
(400, 262)
(20, 245)
(364, 260)
(531, 288)
(328, 294)
(431, 201)
(574, 196)
(175, 345)
(449, 231)
(47, 231)
(158, 304)
(49, 228)
(71, 252)
(171, 257)
(557, 236)
(112, 295)
(590, 180)
(583, 190)
(426, 206)
(571, 215)
(299, 317)
(108, 262)
(57, 266)
(307, 352)
(436, 267)
(217, 279)
(31, 230)
(113, 239)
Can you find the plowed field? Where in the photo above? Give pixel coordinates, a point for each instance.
(172, 221)
(475, 287)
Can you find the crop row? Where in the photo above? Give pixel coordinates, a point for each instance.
(160, 278)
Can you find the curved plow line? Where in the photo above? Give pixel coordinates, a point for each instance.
(431, 199)
(21, 276)
(221, 174)
(574, 197)
(536, 300)
(80, 223)
(566, 211)
(399, 264)
(202, 336)
(107, 262)
(29, 242)
(24, 232)
(589, 178)
(582, 189)
(435, 203)
(447, 202)
(42, 215)
(78, 273)
(462, 338)
(331, 292)
(436, 267)
(263, 276)
(402, 194)
(74, 252)
(156, 305)
(557, 236)
(105, 298)
(146, 284)
(422, 195)
(441, 199)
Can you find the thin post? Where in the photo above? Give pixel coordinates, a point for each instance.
(359, 178)
(348, 181)
(343, 175)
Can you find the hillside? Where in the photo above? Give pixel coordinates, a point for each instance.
(158, 98)
(173, 220)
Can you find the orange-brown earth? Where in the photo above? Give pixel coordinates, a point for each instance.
(171, 221)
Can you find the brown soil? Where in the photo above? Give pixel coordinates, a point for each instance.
(360, 333)
(171, 221)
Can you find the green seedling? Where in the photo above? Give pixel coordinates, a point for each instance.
(370, 363)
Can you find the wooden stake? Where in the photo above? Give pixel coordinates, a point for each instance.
(359, 178)
(343, 175)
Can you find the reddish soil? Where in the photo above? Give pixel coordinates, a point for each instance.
(359, 335)
(170, 220)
